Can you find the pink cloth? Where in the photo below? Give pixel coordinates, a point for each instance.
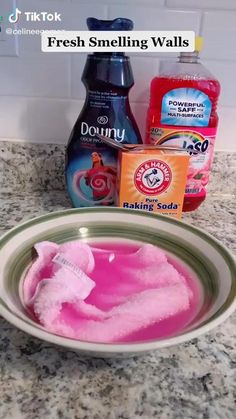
(59, 290)
(44, 269)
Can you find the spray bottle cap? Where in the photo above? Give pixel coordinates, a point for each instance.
(198, 43)
(192, 57)
(118, 24)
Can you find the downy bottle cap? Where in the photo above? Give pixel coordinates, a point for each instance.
(118, 24)
(109, 67)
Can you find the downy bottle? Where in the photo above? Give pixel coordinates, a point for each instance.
(91, 166)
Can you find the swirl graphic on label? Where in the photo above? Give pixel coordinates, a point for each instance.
(101, 183)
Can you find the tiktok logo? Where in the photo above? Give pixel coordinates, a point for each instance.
(14, 17)
(35, 17)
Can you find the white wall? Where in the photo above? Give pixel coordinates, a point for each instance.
(41, 93)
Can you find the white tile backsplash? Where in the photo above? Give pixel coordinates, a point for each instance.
(13, 121)
(155, 19)
(41, 94)
(73, 17)
(45, 75)
(202, 4)
(38, 120)
(219, 32)
(143, 74)
(77, 66)
(58, 116)
(225, 72)
(158, 3)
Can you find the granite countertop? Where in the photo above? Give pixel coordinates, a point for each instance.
(196, 380)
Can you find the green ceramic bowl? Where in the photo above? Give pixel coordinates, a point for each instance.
(213, 265)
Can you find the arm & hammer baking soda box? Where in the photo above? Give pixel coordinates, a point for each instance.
(152, 180)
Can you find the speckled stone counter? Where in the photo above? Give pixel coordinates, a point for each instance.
(196, 380)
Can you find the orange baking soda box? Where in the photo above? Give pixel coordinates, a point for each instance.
(152, 180)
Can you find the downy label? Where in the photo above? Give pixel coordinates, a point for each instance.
(186, 106)
(92, 165)
(92, 131)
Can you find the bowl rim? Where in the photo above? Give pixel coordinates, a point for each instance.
(119, 348)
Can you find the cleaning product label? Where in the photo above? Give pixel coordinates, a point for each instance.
(186, 106)
(200, 145)
(153, 177)
(91, 176)
(152, 180)
(92, 166)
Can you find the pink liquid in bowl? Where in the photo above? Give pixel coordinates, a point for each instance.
(114, 277)
(104, 275)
